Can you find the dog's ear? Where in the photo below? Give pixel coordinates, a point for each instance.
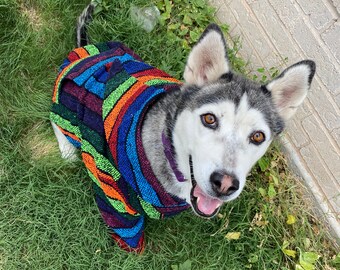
(290, 88)
(208, 59)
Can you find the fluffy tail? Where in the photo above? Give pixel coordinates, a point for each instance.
(82, 22)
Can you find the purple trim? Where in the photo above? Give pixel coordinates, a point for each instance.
(170, 157)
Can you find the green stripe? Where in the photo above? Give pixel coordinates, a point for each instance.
(158, 81)
(101, 162)
(111, 100)
(65, 124)
(102, 47)
(92, 49)
(149, 209)
(65, 112)
(95, 139)
(115, 81)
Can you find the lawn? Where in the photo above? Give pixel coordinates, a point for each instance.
(48, 216)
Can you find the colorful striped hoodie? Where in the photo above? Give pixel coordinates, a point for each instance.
(100, 98)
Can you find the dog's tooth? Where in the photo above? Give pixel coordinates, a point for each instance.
(198, 199)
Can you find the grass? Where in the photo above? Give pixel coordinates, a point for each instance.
(48, 216)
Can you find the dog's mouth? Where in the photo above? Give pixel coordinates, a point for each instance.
(203, 204)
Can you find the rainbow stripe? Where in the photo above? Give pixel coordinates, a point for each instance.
(100, 98)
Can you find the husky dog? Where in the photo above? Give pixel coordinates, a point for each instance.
(200, 139)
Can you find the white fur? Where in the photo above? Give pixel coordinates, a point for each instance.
(207, 60)
(227, 147)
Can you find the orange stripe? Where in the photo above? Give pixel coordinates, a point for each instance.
(112, 117)
(90, 164)
(108, 190)
(82, 53)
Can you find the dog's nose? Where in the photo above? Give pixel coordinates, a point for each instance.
(224, 183)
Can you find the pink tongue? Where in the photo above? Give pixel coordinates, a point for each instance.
(206, 204)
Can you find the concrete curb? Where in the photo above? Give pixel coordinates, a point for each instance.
(298, 167)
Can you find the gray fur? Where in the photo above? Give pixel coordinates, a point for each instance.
(160, 118)
(83, 20)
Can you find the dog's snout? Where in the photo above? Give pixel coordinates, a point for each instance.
(224, 183)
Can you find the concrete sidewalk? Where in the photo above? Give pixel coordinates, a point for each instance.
(272, 30)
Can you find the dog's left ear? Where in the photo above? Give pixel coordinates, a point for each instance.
(290, 88)
(208, 59)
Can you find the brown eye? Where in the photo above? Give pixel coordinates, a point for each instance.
(257, 137)
(209, 120)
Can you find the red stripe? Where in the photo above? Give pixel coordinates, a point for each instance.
(153, 72)
(72, 56)
(121, 243)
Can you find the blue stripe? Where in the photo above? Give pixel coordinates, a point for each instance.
(95, 87)
(64, 64)
(134, 66)
(124, 165)
(128, 163)
(83, 77)
(133, 242)
(101, 75)
(74, 142)
(130, 232)
(147, 192)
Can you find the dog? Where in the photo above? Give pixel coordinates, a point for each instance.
(155, 146)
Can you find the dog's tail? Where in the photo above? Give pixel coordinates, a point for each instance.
(82, 22)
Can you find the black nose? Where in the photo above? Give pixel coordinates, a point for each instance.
(224, 183)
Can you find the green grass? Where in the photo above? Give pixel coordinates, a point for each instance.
(48, 216)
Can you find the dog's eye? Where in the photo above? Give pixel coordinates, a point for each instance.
(257, 137)
(209, 120)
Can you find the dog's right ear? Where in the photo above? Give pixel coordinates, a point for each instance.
(208, 59)
(289, 89)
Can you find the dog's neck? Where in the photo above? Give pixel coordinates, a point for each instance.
(170, 156)
(158, 119)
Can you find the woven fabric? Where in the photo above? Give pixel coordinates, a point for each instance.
(100, 98)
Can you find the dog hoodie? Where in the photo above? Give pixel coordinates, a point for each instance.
(100, 99)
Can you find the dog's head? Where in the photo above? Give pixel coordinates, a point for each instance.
(226, 122)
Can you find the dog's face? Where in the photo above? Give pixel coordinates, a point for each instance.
(226, 122)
